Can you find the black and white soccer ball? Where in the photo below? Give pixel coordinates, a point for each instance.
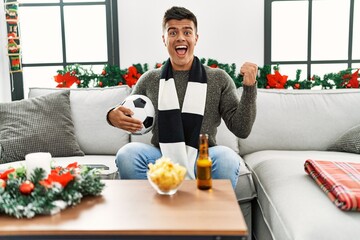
(143, 110)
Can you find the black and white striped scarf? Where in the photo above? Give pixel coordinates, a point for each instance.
(179, 129)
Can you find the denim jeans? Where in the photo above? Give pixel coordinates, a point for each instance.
(133, 158)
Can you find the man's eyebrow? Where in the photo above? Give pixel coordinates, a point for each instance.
(174, 28)
(171, 28)
(188, 28)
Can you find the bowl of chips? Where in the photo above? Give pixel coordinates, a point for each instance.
(165, 176)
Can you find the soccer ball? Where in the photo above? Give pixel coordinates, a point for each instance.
(143, 110)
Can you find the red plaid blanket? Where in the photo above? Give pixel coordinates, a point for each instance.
(339, 180)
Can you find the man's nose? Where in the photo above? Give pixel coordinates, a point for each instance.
(180, 37)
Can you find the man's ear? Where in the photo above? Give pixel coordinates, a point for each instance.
(163, 38)
(196, 39)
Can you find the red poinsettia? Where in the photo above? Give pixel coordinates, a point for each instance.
(72, 165)
(5, 175)
(353, 82)
(56, 176)
(214, 65)
(61, 175)
(15, 61)
(66, 80)
(132, 76)
(63, 179)
(276, 80)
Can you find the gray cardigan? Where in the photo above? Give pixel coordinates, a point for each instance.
(222, 101)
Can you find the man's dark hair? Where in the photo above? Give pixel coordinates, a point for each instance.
(179, 13)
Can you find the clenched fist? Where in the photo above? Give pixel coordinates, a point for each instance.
(249, 71)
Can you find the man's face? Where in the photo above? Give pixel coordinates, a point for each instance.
(180, 38)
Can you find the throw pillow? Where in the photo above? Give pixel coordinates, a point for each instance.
(348, 142)
(41, 124)
(89, 107)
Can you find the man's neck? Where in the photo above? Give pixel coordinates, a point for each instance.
(184, 67)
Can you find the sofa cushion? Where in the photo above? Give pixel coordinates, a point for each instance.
(89, 107)
(245, 189)
(301, 119)
(225, 137)
(293, 205)
(348, 142)
(42, 124)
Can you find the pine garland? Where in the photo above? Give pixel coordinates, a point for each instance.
(22, 198)
(112, 75)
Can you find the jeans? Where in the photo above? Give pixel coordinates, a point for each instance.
(133, 158)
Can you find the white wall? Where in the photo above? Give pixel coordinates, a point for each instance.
(5, 92)
(230, 31)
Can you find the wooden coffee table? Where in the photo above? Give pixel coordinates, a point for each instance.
(131, 209)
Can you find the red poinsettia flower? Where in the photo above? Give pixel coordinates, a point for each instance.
(214, 65)
(74, 169)
(56, 170)
(65, 80)
(132, 76)
(60, 175)
(54, 176)
(158, 65)
(15, 62)
(296, 85)
(346, 77)
(5, 175)
(72, 165)
(276, 80)
(354, 83)
(63, 179)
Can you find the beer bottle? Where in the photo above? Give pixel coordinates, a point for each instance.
(203, 164)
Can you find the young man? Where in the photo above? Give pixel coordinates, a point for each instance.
(189, 99)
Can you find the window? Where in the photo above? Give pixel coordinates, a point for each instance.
(56, 33)
(315, 36)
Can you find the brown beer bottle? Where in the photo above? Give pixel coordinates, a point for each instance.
(203, 164)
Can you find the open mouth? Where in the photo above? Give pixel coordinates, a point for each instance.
(181, 50)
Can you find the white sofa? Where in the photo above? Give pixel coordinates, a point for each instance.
(100, 141)
(278, 199)
(292, 126)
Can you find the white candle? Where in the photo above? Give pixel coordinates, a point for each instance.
(38, 160)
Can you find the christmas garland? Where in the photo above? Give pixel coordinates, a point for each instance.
(113, 76)
(24, 198)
